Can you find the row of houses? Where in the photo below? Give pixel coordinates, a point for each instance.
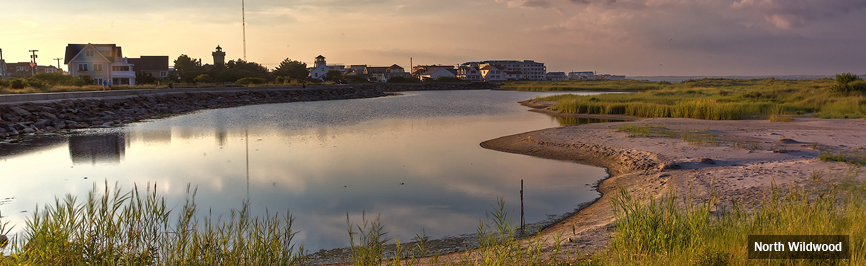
(103, 62)
(24, 69)
(489, 71)
(107, 63)
(556, 76)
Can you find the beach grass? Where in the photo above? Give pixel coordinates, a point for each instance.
(134, 228)
(724, 99)
(674, 230)
(852, 156)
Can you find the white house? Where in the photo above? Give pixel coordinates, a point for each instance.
(319, 70)
(491, 73)
(103, 62)
(435, 73)
(468, 73)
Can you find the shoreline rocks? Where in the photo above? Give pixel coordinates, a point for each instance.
(18, 119)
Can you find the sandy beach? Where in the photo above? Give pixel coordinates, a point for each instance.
(784, 153)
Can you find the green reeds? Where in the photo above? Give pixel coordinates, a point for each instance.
(853, 156)
(131, 228)
(723, 99)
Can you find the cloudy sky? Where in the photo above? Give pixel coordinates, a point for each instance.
(630, 37)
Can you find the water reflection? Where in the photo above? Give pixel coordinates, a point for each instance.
(97, 148)
(413, 159)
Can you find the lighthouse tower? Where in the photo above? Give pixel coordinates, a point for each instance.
(219, 57)
(320, 61)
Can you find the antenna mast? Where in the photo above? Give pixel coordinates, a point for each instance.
(244, 23)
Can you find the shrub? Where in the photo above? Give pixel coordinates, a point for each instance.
(35, 83)
(356, 79)
(846, 78)
(203, 78)
(399, 79)
(52, 79)
(82, 80)
(449, 79)
(18, 83)
(250, 80)
(4, 83)
(847, 82)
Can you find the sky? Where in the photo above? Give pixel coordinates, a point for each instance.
(623, 37)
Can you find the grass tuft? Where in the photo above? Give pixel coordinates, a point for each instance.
(676, 231)
(134, 228)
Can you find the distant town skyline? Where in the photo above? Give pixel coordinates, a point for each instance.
(626, 37)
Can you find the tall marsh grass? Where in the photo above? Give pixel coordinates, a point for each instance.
(724, 99)
(676, 231)
(134, 228)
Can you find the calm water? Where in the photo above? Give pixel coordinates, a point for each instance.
(415, 160)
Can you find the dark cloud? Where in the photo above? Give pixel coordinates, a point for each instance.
(530, 4)
(798, 13)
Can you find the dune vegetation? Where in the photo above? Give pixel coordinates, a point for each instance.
(728, 99)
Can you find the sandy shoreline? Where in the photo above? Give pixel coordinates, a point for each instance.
(654, 166)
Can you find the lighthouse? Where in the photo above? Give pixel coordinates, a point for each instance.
(219, 57)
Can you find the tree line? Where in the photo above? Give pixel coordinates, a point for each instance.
(189, 70)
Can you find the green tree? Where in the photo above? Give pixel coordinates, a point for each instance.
(333, 75)
(187, 68)
(238, 69)
(142, 77)
(292, 69)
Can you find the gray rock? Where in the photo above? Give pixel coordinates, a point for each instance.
(41, 123)
(49, 115)
(20, 111)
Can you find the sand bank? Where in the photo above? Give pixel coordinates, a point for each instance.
(782, 152)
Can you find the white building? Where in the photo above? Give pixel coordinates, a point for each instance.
(556, 76)
(531, 70)
(435, 73)
(468, 73)
(103, 62)
(492, 74)
(319, 70)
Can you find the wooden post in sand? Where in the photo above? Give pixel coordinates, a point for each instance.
(522, 221)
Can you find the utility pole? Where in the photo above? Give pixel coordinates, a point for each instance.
(58, 64)
(33, 62)
(2, 66)
(244, 24)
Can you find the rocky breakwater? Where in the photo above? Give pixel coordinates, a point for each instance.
(27, 118)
